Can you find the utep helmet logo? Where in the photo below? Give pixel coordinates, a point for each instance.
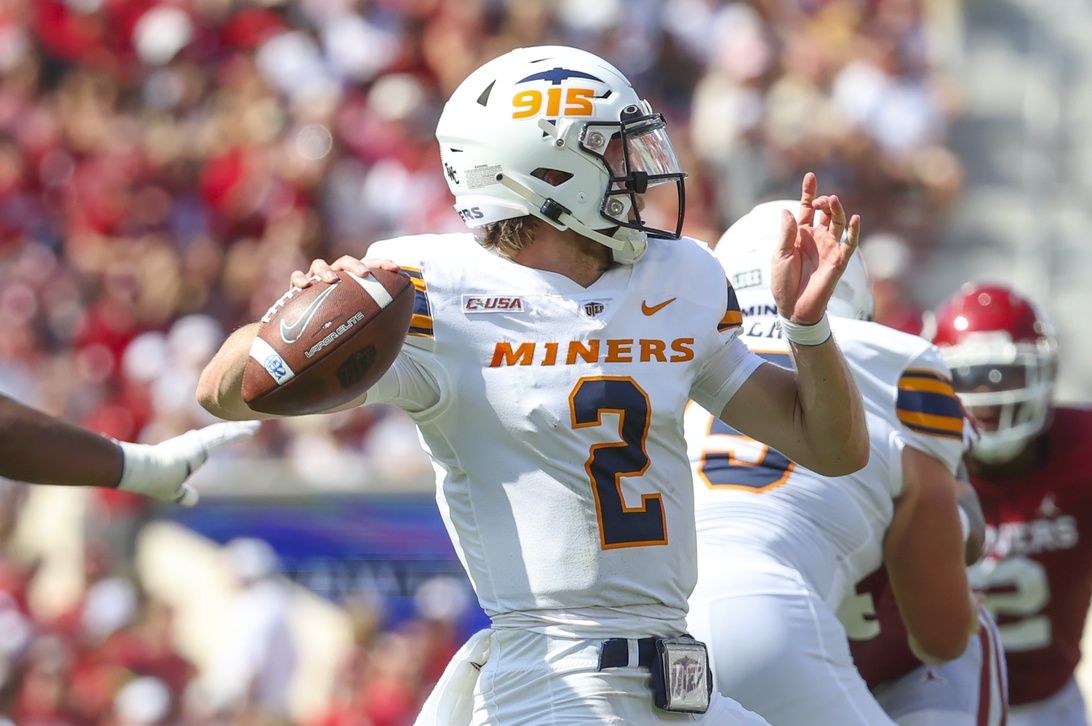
(556, 101)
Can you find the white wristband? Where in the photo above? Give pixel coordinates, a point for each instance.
(814, 334)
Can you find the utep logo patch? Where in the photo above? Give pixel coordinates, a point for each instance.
(556, 101)
(594, 308)
(475, 304)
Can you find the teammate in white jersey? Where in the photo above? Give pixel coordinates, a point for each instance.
(549, 361)
(780, 547)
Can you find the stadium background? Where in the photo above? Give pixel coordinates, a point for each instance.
(164, 164)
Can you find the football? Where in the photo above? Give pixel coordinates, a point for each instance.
(326, 344)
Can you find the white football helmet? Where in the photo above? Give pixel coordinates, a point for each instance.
(746, 250)
(560, 134)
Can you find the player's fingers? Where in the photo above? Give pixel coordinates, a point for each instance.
(187, 496)
(807, 197)
(321, 270)
(787, 241)
(822, 212)
(837, 224)
(383, 264)
(219, 434)
(299, 279)
(350, 264)
(853, 238)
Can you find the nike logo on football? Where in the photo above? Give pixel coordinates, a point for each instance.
(653, 309)
(291, 332)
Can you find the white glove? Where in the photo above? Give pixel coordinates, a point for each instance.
(160, 470)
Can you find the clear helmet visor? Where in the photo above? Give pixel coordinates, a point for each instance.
(646, 189)
(1007, 394)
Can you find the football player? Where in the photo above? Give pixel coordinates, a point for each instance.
(971, 690)
(548, 364)
(1030, 469)
(780, 546)
(40, 449)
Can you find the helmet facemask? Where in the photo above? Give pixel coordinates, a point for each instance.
(640, 161)
(1006, 388)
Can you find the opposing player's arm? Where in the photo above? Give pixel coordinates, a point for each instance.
(30, 442)
(924, 557)
(814, 417)
(41, 449)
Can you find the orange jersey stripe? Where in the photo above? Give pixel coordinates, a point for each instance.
(949, 424)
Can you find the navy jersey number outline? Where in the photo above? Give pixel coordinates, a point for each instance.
(721, 469)
(609, 463)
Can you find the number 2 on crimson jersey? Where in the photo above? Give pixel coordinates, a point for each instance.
(608, 463)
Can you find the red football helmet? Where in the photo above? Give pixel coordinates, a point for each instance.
(1003, 357)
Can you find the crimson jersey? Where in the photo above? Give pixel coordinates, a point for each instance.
(877, 636)
(1037, 573)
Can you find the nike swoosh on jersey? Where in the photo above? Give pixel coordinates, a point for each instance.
(291, 332)
(653, 309)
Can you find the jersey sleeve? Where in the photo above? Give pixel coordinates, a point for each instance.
(930, 416)
(733, 315)
(729, 364)
(408, 384)
(725, 370)
(414, 381)
(422, 333)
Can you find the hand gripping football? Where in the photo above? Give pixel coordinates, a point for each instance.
(326, 344)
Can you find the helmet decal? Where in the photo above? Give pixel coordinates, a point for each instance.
(556, 75)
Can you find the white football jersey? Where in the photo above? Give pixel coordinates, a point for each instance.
(554, 415)
(750, 497)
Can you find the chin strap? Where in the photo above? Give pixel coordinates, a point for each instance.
(556, 215)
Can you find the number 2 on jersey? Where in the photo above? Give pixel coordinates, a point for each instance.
(609, 463)
(1017, 589)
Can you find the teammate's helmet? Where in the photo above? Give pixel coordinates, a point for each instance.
(746, 250)
(560, 134)
(1003, 357)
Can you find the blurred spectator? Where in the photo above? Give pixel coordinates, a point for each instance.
(256, 658)
(144, 701)
(888, 258)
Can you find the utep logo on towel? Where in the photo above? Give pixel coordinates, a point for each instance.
(473, 304)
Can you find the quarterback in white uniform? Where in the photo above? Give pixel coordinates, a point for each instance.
(781, 547)
(548, 365)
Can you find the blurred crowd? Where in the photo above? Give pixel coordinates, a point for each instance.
(111, 656)
(165, 164)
